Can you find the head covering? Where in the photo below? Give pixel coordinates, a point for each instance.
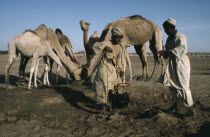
(171, 21)
(117, 32)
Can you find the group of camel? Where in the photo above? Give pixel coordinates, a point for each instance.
(44, 42)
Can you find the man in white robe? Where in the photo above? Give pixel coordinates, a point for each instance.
(177, 74)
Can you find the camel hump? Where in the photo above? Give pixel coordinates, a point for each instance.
(29, 30)
(95, 35)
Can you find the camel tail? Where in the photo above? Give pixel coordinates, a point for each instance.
(13, 56)
(54, 57)
(154, 70)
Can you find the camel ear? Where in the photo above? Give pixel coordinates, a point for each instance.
(88, 24)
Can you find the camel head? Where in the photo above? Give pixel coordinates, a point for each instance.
(84, 25)
(58, 31)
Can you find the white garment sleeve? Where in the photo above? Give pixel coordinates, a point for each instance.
(180, 49)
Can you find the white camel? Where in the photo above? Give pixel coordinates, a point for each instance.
(70, 63)
(29, 45)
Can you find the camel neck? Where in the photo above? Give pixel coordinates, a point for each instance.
(85, 37)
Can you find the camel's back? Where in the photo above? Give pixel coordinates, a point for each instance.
(52, 39)
(63, 39)
(27, 43)
(41, 31)
(137, 29)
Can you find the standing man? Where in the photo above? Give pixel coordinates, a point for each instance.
(177, 74)
(108, 63)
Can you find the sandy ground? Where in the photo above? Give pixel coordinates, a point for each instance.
(67, 110)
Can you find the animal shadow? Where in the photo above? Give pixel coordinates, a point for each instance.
(203, 131)
(74, 97)
(12, 79)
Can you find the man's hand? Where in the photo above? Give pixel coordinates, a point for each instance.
(85, 74)
(108, 49)
(120, 72)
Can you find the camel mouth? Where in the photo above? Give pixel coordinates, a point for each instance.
(83, 28)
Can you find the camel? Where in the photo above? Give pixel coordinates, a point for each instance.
(66, 45)
(28, 44)
(92, 40)
(96, 38)
(138, 31)
(48, 34)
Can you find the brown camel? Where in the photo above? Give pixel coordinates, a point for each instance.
(29, 45)
(138, 31)
(88, 43)
(72, 65)
(66, 45)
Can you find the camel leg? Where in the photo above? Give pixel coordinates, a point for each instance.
(155, 55)
(11, 60)
(21, 69)
(35, 73)
(156, 44)
(129, 65)
(33, 67)
(144, 60)
(25, 62)
(48, 66)
(141, 51)
(52, 55)
(46, 71)
(57, 74)
(51, 67)
(124, 63)
(67, 78)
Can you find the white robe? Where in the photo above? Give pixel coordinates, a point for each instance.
(106, 76)
(177, 75)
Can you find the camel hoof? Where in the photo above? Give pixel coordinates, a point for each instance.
(131, 78)
(139, 78)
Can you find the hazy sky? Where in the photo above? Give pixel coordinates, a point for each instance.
(16, 16)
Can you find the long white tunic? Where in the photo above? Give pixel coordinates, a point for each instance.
(177, 73)
(106, 76)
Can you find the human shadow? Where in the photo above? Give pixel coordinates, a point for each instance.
(203, 131)
(74, 97)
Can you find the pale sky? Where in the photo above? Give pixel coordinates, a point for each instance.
(16, 16)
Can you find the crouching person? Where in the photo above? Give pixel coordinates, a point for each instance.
(108, 65)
